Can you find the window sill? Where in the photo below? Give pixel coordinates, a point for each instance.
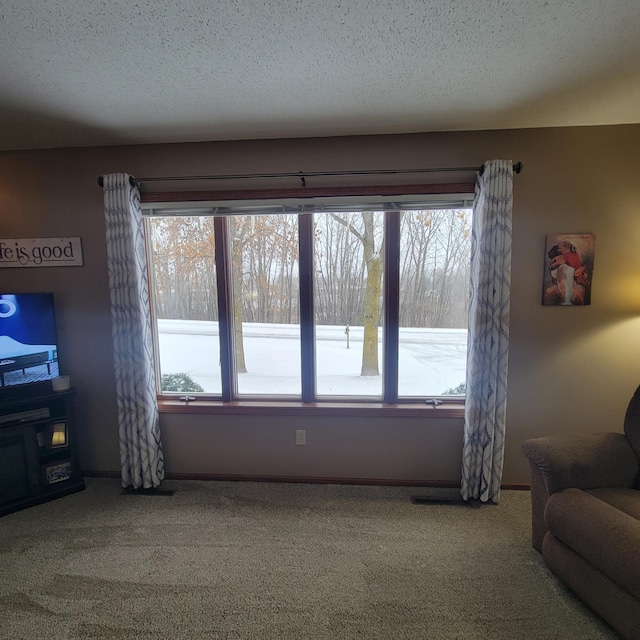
(356, 409)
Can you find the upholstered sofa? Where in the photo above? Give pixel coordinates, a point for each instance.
(585, 507)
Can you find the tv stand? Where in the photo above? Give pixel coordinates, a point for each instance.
(38, 450)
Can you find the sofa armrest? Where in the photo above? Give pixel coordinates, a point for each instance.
(586, 461)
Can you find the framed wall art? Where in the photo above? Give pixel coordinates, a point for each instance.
(568, 269)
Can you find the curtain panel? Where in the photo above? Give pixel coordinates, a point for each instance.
(141, 455)
(488, 337)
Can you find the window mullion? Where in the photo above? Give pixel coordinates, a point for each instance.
(391, 305)
(307, 319)
(225, 308)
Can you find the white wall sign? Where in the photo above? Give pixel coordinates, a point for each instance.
(41, 252)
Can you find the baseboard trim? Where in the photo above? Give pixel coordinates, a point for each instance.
(515, 486)
(100, 474)
(315, 480)
(381, 482)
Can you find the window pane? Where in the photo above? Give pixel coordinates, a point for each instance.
(186, 304)
(265, 304)
(348, 303)
(435, 248)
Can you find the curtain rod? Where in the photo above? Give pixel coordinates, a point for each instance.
(302, 175)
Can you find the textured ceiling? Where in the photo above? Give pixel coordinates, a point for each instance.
(96, 72)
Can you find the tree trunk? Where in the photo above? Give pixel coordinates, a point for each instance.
(236, 253)
(373, 261)
(372, 317)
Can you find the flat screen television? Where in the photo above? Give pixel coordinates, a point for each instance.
(28, 341)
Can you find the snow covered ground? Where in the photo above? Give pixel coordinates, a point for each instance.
(430, 360)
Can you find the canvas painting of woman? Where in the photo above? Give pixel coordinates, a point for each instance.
(568, 269)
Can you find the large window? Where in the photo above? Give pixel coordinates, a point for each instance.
(311, 301)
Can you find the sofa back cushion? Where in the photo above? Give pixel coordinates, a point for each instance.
(585, 461)
(632, 423)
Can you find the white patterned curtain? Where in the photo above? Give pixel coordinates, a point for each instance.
(488, 340)
(141, 456)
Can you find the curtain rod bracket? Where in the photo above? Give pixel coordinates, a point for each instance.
(303, 181)
(517, 168)
(132, 181)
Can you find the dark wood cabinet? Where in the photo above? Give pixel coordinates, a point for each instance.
(38, 450)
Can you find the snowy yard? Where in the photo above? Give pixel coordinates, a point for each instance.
(430, 360)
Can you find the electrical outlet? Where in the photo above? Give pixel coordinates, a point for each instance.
(301, 437)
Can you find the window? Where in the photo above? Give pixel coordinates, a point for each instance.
(348, 303)
(318, 300)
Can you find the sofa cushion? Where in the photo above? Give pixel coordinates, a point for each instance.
(627, 500)
(604, 536)
(618, 607)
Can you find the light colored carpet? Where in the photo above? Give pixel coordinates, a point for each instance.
(226, 560)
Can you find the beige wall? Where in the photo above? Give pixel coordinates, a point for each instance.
(571, 369)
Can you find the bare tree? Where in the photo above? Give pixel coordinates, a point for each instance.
(373, 259)
(239, 231)
(184, 268)
(435, 248)
(416, 286)
(434, 271)
(340, 272)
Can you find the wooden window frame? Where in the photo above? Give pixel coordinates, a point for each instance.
(309, 404)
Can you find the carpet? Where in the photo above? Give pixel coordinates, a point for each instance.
(242, 560)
